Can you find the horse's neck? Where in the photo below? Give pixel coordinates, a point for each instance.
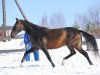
(28, 28)
(31, 29)
(34, 31)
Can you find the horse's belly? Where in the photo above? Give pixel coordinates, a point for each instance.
(55, 45)
(57, 41)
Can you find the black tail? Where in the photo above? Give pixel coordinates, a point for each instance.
(91, 42)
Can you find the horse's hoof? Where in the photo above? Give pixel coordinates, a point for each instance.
(91, 63)
(53, 65)
(62, 62)
(21, 66)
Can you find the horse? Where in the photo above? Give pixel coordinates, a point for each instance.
(43, 38)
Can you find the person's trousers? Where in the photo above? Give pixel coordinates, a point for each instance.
(36, 54)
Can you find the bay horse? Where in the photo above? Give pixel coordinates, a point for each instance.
(44, 38)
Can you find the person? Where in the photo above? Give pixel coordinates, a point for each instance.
(28, 46)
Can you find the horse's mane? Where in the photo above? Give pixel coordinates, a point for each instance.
(35, 28)
(34, 25)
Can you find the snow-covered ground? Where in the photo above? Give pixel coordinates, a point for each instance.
(76, 65)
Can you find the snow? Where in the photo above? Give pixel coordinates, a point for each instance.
(76, 65)
(13, 44)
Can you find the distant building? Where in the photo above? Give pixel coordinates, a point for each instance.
(8, 31)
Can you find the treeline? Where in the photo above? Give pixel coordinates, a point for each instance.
(89, 21)
(57, 20)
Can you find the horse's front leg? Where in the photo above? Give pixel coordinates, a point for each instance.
(29, 51)
(49, 58)
(44, 49)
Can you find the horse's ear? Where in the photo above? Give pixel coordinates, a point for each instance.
(16, 19)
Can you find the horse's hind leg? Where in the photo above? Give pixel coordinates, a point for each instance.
(78, 47)
(72, 52)
(86, 55)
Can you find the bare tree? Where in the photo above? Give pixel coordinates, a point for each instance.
(44, 21)
(57, 20)
(77, 26)
(81, 20)
(90, 21)
(94, 16)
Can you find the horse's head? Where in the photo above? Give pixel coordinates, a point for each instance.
(18, 27)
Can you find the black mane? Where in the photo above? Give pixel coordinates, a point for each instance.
(37, 27)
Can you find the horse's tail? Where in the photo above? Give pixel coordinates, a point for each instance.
(91, 42)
